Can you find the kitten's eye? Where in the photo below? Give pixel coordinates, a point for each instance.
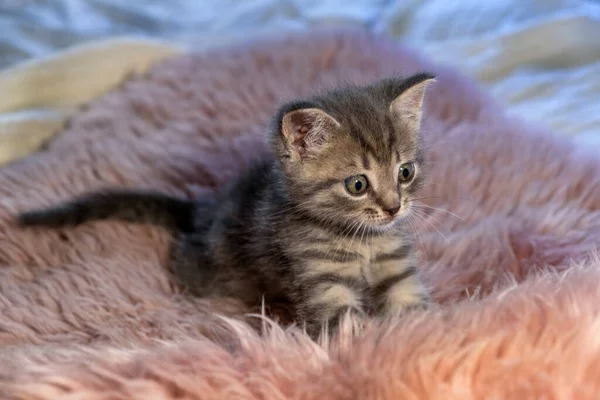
(356, 185)
(407, 172)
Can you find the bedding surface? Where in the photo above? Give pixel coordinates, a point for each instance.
(508, 232)
(538, 57)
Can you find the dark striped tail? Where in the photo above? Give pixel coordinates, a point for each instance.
(130, 206)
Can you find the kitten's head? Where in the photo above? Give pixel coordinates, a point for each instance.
(352, 157)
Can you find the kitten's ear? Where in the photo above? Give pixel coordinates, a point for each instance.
(306, 131)
(406, 109)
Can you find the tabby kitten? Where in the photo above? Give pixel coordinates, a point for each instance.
(318, 226)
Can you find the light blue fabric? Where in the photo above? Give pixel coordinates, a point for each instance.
(541, 58)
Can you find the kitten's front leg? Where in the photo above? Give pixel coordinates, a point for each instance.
(398, 288)
(326, 299)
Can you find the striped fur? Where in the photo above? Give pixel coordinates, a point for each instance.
(290, 230)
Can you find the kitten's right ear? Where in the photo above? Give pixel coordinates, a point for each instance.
(406, 109)
(306, 131)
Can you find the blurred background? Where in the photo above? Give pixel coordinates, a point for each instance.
(538, 57)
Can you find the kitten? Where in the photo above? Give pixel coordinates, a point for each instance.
(320, 225)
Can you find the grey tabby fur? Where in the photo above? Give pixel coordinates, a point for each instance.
(298, 228)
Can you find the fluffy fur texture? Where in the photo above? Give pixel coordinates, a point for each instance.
(91, 313)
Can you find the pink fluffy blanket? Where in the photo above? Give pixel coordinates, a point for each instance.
(506, 245)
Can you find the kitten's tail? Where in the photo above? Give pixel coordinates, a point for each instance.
(130, 206)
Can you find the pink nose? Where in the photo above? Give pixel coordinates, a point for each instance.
(391, 211)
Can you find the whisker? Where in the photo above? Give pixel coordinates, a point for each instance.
(353, 238)
(282, 211)
(341, 238)
(441, 197)
(424, 218)
(420, 224)
(409, 220)
(439, 209)
(436, 220)
(361, 237)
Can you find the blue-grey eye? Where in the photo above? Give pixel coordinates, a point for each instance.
(406, 172)
(356, 185)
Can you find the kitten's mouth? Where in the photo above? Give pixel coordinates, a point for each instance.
(384, 223)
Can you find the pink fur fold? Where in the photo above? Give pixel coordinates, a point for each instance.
(507, 233)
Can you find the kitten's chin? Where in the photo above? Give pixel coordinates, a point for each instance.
(385, 225)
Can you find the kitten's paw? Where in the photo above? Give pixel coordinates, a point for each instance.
(345, 319)
(398, 306)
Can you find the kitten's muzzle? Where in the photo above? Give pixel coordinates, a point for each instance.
(391, 211)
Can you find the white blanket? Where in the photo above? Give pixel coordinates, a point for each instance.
(538, 57)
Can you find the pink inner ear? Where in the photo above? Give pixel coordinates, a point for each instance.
(299, 136)
(307, 130)
(408, 104)
(300, 128)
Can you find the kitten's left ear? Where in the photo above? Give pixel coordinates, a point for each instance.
(306, 131)
(406, 109)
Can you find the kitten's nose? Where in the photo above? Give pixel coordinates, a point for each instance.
(391, 211)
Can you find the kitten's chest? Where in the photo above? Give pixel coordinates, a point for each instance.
(373, 249)
(358, 258)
